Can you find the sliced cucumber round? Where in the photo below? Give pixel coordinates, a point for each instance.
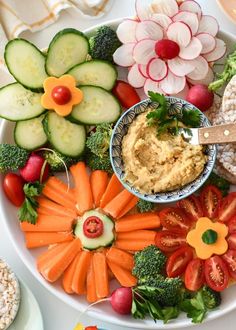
(95, 73)
(18, 103)
(66, 137)
(105, 239)
(26, 63)
(68, 48)
(98, 106)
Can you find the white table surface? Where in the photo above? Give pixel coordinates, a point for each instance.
(56, 314)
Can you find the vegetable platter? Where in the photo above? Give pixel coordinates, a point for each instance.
(109, 197)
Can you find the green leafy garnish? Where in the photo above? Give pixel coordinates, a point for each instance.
(195, 308)
(190, 118)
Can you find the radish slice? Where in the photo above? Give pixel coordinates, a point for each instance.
(193, 50)
(162, 19)
(148, 30)
(167, 7)
(192, 6)
(123, 56)
(208, 42)
(209, 25)
(172, 84)
(183, 93)
(143, 70)
(218, 52)
(157, 69)
(200, 69)
(179, 67)
(205, 81)
(135, 78)
(143, 9)
(152, 86)
(129, 25)
(144, 51)
(188, 18)
(180, 33)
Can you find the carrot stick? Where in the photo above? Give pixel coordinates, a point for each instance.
(58, 198)
(118, 203)
(133, 245)
(121, 258)
(98, 180)
(61, 187)
(128, 207)
(114, 187)
(80, 274)
(68, 275)
(123, 276)
(149, 220)
(90, 284)
(35, 240)
(52, 208)
(101, 275)
(50, 254)
(83, 191)
(47, 223)
(54, 268)
(137, 235)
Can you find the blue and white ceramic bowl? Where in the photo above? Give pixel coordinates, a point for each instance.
(120, 130)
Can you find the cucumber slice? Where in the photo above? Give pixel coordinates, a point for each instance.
(29, 134)
(18, 103)
(98, 106)
(105, 239)
(26, 63)
(95, 73)
(68, 48)
(66, 137)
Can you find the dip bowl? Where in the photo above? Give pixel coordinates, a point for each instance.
(175, 105)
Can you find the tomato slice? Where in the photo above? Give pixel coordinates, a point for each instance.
(232, 241)
(216, 273)
(227, 207)
(232, 225)
(93, 227)
(210, 198)
(178, 261)
(173, 218)
(169, 241)
(194, 274)
(230, 260)
(126, 94)
(192, 207)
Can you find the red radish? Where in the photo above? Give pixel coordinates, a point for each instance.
(205, 81)
(127, 25)
(192, 51)
(167, 7)
(208, 42)
(218, 52)
(180, 33)
(172, 84)
(192, 6)
(35, 168)
(149, 30)
(144, 51)
(200, 96)
(188, 18)
(162, 19)
(180, 67)
(121, 300)
(200, 68)
(157, 69)
(208, 24)
(152, 86)
(167, 49)
(123, 56)
(143, 70)
(135, 78)
(143, 9)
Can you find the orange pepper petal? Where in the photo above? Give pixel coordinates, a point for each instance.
(66, 80)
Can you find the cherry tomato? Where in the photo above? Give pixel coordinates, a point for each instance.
(210, 199)
(169, 241)
(126, 94)
(173, 218)
(232, 225)
(216, 273)
(194, 274)
(192, 207)
(178, 261)
(230, 260)
(227, 208)
(61, 95)
(13, 188)
(93, 227)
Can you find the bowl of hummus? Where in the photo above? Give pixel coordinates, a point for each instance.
(159, 168)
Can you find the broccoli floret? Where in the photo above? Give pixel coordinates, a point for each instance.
(56, 159)
(99, 141)
(211, 298)
(219, 182)
(145, 206)
(98, 163)
(12, 157)
(104, 43)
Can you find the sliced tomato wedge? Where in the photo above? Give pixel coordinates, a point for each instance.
(173, 218)
(178, 261)
(194, 274)
(192, 207)
(230, 260)
(216, 273)
(169, 241)
(232, 241)
(227, 208)
(232, 225)
(210, 198)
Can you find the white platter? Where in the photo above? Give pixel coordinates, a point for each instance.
(8, 214)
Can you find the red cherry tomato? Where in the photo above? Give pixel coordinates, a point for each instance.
(13, 188)
(173, 218)
(169, 241)
(126, 94)
(230, 260)
(232, 225)
(167, 49)
(91, 328)
(194, 274)
(192, 207)
(227, 208)
(216, 273)
(61, 95)
(178, 261)
(210, 198)
(93, 227)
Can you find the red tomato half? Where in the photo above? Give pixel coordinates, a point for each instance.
(126, 94)
(232, 241)
(169, 241)
(173, 218)
(216, 273)
(210, 199)
(192, 207)
(232, 225)
(178, 261)
(194, 274)
(227, 207)
(230, 260)
(13, 188)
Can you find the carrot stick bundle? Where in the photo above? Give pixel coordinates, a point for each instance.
(121, 258)
(123, 276)
(98, 180)
(114, 187)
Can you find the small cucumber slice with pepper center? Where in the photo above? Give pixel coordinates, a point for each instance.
(209, 236)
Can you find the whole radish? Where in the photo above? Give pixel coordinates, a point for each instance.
(34, 168)
(200, 96)
(121, 300)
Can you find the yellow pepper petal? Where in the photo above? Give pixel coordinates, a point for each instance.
(79, 326)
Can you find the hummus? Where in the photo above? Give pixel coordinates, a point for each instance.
(154, 164)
